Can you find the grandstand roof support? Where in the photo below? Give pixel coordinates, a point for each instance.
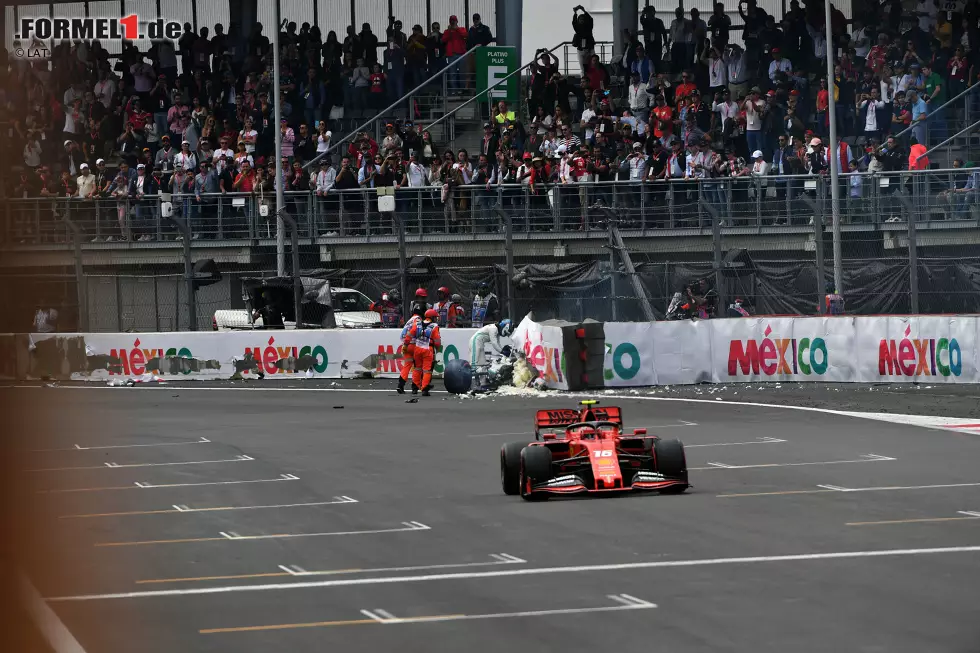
(510, 24)
(626, 15)
(280, 199)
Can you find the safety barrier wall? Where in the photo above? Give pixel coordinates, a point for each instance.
(928, 349)
(334, 353)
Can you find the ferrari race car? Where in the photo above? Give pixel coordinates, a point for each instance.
(586, 450)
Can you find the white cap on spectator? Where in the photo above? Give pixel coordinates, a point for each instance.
(84, 165)
(67, 142)
(757, 154)
(99, 162)
(140, 166)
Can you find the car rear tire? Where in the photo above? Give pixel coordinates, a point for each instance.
(510, 467)
(535, 467)
(672, 463)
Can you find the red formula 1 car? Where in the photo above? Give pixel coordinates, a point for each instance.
(590, 453)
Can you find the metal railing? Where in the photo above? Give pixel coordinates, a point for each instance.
(443, 72)
(759, 203)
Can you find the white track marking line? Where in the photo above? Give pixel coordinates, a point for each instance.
(733, 444)
(498, 559)
(865, 458)
(147, 486)
(79, 447)
(236, 459)
(384, 614)
(185, 508)
(530, 571)
(371, 615)
(624, 604)
(969, 513)
(408, 526)
(890, 488)
(54, 631)
(283, 477)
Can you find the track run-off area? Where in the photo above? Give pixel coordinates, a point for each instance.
(266, 518)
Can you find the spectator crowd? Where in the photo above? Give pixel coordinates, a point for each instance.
(195, 117)
(680, 100)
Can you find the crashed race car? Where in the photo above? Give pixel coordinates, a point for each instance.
(586, 450)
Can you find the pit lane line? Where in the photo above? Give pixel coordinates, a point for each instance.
(525, 571)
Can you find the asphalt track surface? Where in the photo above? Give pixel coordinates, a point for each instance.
(390, 530)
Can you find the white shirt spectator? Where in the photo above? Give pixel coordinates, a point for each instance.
(862, 42)
(227, 152)
(86, 185)
(717, 73)
(725, 109)
(248, 137)
(639, 99)
(188, 161)
(871, 121)
(587, 115)
(325, 180)
(416, 175)
(105, 91)
(323, 142)
(753, 120)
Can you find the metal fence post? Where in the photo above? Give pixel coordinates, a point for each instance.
(612, 277)
(917, 183)
(403, 263)
(185, 231)
(294, 256)
(509, 253)
(716, 246)
(80, 288)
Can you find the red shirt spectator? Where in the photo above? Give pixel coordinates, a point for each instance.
(454, 38)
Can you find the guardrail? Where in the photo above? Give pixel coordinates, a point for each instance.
(768, 202)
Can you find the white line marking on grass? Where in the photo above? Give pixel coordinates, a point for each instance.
(531, 571)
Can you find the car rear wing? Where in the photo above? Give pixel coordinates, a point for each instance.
(545, 419)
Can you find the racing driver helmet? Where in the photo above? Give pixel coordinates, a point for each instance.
(505, 328)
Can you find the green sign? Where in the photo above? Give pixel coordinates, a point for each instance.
(493, 64)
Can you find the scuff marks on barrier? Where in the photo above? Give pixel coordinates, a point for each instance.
(277, 359)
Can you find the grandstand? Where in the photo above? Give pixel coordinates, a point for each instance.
(705, 131)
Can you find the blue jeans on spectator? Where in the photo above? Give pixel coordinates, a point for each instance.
(454, 76)
(755, 140)
(160, 120)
